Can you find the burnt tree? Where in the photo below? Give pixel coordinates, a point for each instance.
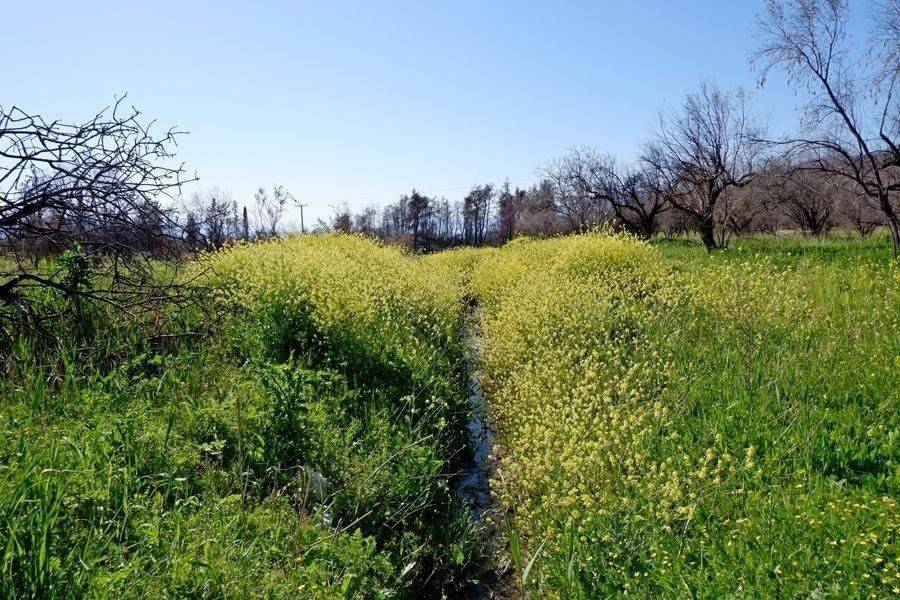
(95, 190)
(708, 149)
(852, 125)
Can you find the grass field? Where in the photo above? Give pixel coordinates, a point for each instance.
(302, 451)
(670, 424)
(676, 424)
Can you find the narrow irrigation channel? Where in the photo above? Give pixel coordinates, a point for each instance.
(472, 484)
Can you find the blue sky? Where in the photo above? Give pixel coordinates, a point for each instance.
(359, 102)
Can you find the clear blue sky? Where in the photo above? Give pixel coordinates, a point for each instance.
(363, 101)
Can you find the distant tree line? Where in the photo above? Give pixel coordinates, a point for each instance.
(486, 214)
(711, 167)
(109, 190)
(212, 218)
(723, 196)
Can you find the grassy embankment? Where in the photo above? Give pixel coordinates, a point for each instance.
(675, 424)
(671, 424)
(301, 451)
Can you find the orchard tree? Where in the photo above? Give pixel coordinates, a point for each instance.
(593, 187)
(639, 197)
(851, 127)
(810, 200)
(579, 186)
(705, 151)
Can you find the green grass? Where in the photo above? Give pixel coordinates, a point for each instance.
(281, 457)
(305, 448)
(680, 424)
(835, 248)
(799, 358)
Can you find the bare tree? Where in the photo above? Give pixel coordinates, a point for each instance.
(579, 183)
(476, 213)
(446, 216)
(539, 216)
(419, 215)
(592, 187)
(707, 150)
(94, 189)
(884, 42)
(852, 123)
(394, 220)
(341, 219)
(213, 218)
(638, 197)
(809, 200)
(861, 215)
(747, 209)
(269, 210)
(509, 207)
(366, 221)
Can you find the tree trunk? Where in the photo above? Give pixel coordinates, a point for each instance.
(893, 220)
(894, 225)
(707, 231)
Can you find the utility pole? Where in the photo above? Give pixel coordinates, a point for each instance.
(302, 228)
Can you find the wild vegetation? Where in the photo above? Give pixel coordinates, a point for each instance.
(673, 424)
(668, 421)
(691, 361)
(304, 449)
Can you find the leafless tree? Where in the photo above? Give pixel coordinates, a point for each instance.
(852, 122)
(212, 219)
(579, 184)
(884, 42)
(419, 213)
(447, 220)
(476, 213)
(639, 197)
(96, 189)
(808, 200)
(704, 152)
(366, 222)
(747, 209)
(341, 219)
(539, 216)
(269, 210)
(593, 187)
(509, 208)
(861, 216)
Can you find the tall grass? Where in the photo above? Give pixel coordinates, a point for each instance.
(304, 450)
(706, 425)
(671, 424)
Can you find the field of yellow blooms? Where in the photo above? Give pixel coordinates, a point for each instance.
(678, 425)
(669, 424)
(302, 448)
(348, 300)
(391, 327)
